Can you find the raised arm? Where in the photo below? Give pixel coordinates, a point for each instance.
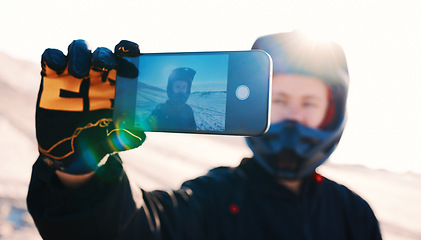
(75, 131)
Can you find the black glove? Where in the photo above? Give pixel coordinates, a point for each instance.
(74, 123)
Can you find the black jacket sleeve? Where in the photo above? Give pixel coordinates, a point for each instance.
(107, 207)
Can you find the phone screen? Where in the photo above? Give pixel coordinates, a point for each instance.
(202, 92)
(182, 92)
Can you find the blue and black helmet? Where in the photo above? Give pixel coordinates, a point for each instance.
(180, 74)
(290, 150)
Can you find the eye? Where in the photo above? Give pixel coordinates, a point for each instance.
(310, 104)
(279, 100)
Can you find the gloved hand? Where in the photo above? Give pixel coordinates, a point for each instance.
(74, 125)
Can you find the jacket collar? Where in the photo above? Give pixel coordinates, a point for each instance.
(261, 181)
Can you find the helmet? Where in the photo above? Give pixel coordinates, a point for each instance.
(290, 150)
(180, 74)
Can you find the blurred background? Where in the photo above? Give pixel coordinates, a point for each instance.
(379, 156)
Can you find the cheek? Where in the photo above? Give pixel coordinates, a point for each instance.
(277, 114)
(308, 117)
(315, 117)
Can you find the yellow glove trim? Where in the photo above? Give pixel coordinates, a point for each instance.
(127, 131)
(101, 123)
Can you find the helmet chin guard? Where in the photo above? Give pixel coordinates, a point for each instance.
(290, 150)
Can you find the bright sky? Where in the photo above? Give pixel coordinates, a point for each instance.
(382, 40)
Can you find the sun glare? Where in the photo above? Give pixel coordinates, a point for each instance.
(319, 34)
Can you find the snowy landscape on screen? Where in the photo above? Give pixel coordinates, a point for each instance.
(166, 160)
(208, 106)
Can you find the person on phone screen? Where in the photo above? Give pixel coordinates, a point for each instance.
(275, 194)
(175, 113)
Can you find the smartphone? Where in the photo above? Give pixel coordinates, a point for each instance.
(224, 92)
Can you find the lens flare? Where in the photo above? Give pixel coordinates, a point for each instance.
(122, 139)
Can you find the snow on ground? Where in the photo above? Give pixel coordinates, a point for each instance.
(166, 160)
(394, 197)
(18, 154)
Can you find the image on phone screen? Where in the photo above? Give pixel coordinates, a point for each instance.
(182, 93)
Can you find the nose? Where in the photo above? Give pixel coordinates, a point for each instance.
(295, 113)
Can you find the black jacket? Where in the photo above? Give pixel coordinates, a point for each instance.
(171, 116)
(227, 203)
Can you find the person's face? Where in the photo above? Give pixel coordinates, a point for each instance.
(300, 98)
(180, 87)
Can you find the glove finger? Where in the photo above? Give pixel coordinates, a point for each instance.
(79, 58)
(53, 59)
(103, 60)
(126, 49)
